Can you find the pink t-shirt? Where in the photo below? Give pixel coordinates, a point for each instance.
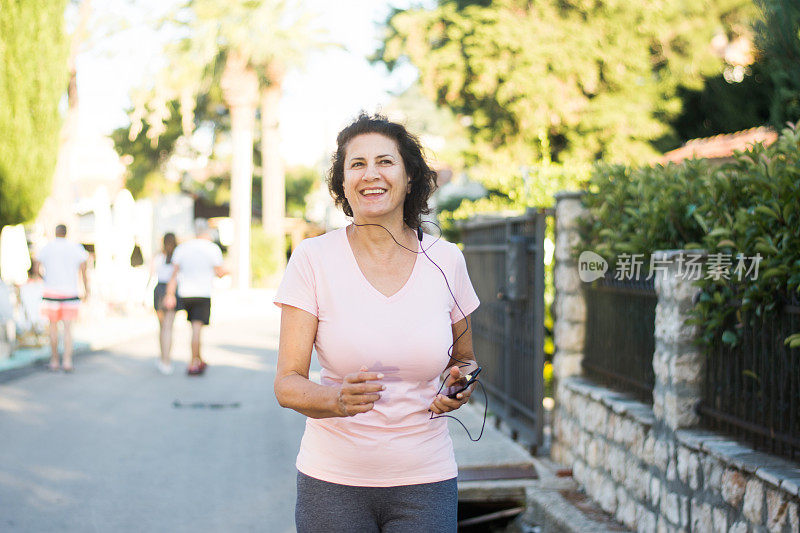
(405, 336)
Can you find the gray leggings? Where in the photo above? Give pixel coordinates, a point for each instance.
(329, 507)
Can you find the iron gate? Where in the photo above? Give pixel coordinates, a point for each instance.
(505, 259)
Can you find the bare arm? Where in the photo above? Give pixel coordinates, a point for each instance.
(462, 353)
(294, 390)
(170, 301)
(220, 271)
(85, 278)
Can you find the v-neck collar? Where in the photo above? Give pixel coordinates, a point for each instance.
(405, 288)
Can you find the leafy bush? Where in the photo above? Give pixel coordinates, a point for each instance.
(534, 186)
(263, 264)
(749, 206)
(753, 207)
(33, 79)
(640, 210)
(300, 181)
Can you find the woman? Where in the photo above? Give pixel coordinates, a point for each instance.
(162, 269)
(375, 455)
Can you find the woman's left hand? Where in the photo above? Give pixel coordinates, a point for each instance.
(443, 404)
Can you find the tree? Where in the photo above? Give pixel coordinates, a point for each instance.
(240, 89)
(721, 106)
(59, 208)
(33, 76)
(443, 136)
(569, 81)
(240, 44)
(778, 39)
(273, 179)
(300, 181)
(145, 173)
(287, 45)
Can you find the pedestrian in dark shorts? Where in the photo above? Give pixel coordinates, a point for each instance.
(196, 262)
(197, 309)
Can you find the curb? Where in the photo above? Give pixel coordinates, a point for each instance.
(551, 502)
(113, 330)
(556, 504)
(26, 357)
(29, 356)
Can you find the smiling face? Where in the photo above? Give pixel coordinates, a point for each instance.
(375, 180)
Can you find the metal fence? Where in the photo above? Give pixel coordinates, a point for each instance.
(619, 344)
(505, 259)
(752, 389)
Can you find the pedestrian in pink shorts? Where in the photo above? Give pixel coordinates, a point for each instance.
(62, 264)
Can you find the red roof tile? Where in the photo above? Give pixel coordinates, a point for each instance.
(720, 146)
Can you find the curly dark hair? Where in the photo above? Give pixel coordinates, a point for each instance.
(422, 176)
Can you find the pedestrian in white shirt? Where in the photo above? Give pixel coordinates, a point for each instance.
(62, 264)
(196, 262)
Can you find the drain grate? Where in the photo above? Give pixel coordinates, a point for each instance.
(488, 516)
(492, 473)
(177, 404)
(505, 514)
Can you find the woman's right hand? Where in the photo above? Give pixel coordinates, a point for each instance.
(169, 301)
(359, 392)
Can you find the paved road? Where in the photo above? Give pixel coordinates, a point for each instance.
(107, 449)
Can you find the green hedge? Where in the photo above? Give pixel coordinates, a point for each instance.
(753, 207)
(263, 256)
(640, 210)
(749, 206)
(33, 80)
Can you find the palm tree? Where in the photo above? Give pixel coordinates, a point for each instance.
(273, 183)
(240, 90)
(59, 204)
(249, 42)
(290, 39)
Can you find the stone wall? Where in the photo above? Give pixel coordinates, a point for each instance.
(652, 467)
(569, 303)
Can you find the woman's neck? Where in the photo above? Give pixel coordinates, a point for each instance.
(376, 237)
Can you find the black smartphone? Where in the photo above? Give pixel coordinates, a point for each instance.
(459, 386)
